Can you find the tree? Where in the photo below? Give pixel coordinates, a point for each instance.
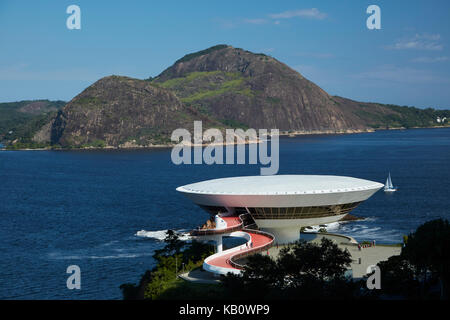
(312, 270)
(422, 265)
(259, 279)
(428, 249)
(169, 261)
(129, 291)
(398, 277)
(303, 270)
(325, 261)
(173, 245)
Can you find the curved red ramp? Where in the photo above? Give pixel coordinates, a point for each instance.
(225, 262)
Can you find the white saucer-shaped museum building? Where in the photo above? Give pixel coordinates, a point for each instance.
(282, 204)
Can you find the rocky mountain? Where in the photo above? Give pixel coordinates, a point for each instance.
(120, 112)
(255, 90)
(224, 87)
(258, 91)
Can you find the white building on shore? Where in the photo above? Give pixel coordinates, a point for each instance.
(282, 204)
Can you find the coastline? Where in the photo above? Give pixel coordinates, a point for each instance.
(149, 170)
(281, 134)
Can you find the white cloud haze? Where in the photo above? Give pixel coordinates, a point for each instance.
(422, 41)
(312, 13)
(430, 59)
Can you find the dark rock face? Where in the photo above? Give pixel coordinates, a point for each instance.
(57, 127)
(223, 87)
(120, 111)
(270, 95)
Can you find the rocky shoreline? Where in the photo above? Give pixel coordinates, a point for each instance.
(350, 217)
(288, 134)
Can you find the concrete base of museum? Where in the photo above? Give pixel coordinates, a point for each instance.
(288, 230)
(284, 235)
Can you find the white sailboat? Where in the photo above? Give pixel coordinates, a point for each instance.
(389, 187)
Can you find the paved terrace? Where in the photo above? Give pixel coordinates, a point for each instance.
(369, 255)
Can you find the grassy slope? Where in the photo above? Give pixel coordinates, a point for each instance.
(197, 87)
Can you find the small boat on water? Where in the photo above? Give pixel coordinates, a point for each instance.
(389, 187)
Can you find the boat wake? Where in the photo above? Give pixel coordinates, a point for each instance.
(161, 234)
(361, 230)
(59, 256)
(329, 227)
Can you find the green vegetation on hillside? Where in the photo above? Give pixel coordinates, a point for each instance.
(91, 102)
(183, 81)
(402, 117)
(145, 135)
(234, 124)
(226, 87)
(14, 116)
(19, 121)
(197, 86)
(23, 134)
(97, 143)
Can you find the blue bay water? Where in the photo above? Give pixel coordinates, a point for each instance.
(85, 207)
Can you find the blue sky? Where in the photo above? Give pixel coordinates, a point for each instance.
(407, 62)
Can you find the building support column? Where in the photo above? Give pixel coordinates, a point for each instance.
(284, 235)
(219, 244)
